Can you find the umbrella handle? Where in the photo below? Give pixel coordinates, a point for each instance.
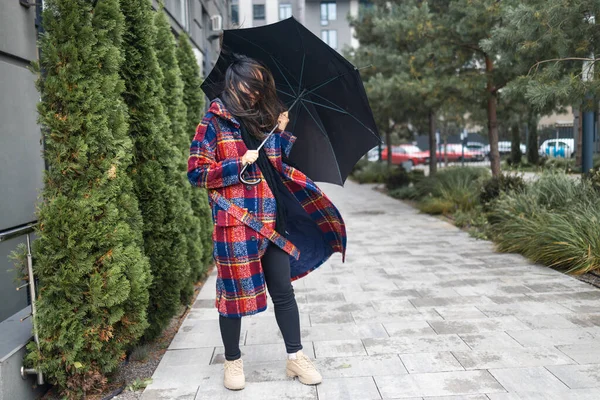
(248, 182)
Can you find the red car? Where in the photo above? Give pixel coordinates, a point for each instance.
(454, 152)
(406, 153)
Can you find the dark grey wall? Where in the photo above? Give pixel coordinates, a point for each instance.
(21, 164)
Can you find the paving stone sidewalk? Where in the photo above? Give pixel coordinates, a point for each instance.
(419, 311)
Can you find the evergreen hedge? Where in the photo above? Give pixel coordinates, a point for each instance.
(154, 170)
(93, 276)
(193, 97)
(176, 110)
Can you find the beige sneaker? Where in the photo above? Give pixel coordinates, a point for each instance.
(303, 368)
(234, 378)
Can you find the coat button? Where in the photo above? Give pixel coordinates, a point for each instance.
(253, 238)
(248, 187)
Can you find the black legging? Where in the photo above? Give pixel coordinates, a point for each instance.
(276, 268)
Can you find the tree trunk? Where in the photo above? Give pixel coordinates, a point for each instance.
(533, 156)
(492, 105)
(515, 148)
(388, 143)
(432, 144)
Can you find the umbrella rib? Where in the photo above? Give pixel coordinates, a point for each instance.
(345, 112)
(286, 93)
(326, 137)
(282, 74)
(303, 55)
(301, 70)
(340, 110)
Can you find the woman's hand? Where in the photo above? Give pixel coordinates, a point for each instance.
(283, 120)
(250, 157)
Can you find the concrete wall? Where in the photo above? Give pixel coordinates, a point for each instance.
(196, 21)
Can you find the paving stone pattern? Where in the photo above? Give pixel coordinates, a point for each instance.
(419, 311)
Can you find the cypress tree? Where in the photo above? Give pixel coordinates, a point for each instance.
(176, 110)
(93, 276)
(193, 97)
(155, 161)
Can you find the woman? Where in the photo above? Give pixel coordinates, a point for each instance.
(267, 233)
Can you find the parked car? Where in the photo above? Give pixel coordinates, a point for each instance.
(454, 152)
(476, 146)
(504, 148)
(563, 148)
(406, 153)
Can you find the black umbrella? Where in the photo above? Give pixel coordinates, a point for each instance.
(329, 111)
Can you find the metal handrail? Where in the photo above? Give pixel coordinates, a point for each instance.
(14, 232)
(27, 229)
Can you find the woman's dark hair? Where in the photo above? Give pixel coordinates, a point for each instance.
(247, 76)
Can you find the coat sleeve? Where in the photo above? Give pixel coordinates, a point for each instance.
(203, 169)
(287, 141)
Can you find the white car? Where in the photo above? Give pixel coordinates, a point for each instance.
(504, 148)
(562, 148)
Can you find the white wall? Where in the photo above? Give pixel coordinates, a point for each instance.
(354, 14)
(245, 13)
(271, 11)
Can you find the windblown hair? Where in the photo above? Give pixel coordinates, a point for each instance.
(260, 114)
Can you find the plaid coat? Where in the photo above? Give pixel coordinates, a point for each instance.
(244, 215)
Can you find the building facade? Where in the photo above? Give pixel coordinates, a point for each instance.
(21, 164)
(328, 19)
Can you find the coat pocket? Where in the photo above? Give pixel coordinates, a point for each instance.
(226, 219)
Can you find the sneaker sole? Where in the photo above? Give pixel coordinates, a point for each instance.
(292, 374)
(235, 388)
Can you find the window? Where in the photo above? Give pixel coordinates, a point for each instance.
(329, 36)
(328, 12)
(258, 11)
(235, 13)
(285, 11)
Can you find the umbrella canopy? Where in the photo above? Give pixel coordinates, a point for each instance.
(331, 116)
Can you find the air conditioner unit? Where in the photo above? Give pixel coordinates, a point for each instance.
(217, 22)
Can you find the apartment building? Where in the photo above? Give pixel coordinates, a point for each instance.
(325, 18)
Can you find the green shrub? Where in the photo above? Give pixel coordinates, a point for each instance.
(93, 275)
(458, 185)
(474, 220)
(596, 161)
(493, 187)
(449, 178)
(416, 175)
(397, 178)
(374, 172)
(436, 206)
(156, 169)
(360, 165)
(554, 221)
(194, 102)
(560, 164)
(404, 193)
(558, 190)
(593, 179)
(567, 240)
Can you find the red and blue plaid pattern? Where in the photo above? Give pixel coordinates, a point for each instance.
(244, 215)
